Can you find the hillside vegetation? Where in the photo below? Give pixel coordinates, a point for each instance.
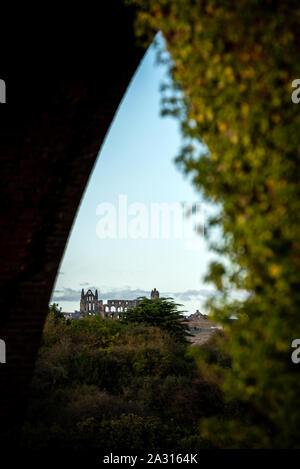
(100, 383)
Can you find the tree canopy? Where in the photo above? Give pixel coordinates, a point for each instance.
(159, 312)
(102, 384)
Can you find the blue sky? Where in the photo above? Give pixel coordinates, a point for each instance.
(136, 161)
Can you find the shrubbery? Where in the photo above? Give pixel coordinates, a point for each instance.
(100, 383)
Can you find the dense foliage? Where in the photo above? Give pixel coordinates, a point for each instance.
(103, 384)
(232, 64)
(159, 312)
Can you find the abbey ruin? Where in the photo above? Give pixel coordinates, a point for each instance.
(91, 305)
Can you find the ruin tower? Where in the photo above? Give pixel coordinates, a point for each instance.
(154, 294)
(89, 303)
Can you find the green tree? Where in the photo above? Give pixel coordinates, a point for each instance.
(55, 310)
(162, 313)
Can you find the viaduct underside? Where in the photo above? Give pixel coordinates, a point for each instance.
(64, 82)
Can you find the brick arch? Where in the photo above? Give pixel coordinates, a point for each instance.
(52, 128)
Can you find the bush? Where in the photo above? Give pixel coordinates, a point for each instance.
(100, 383)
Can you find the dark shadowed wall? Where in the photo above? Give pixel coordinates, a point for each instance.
(65, 78)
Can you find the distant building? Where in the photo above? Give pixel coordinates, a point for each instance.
(71, 316)
(201, 327)
(90, 305)
(76, 315)
(68, 316)
(154, 294)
